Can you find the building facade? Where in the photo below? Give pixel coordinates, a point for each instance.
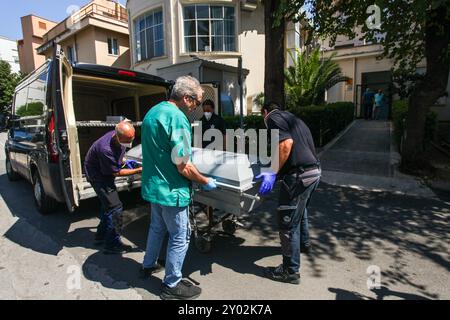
(33, 30)
(97, 33)
(9, 53)
(205, 38)
(364, 64)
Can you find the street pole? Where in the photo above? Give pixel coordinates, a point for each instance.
(241, 92)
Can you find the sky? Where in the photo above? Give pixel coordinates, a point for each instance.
(12, 10)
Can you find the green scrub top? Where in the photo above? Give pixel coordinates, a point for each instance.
(166, 138)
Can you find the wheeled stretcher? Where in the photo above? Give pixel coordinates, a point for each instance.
(237, 191)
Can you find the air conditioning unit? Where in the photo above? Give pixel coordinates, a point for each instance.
(249, 5)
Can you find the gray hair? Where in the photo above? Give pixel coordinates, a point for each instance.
(186, 85)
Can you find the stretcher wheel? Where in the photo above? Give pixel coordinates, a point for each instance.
(203, 244)
(229, 226)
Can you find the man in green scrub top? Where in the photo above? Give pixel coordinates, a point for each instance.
(166, 178)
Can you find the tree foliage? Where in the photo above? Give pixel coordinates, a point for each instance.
(309, 78)
(8, 83)
(409, 31)
(403, 23)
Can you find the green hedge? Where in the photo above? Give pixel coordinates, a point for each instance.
(325, 122)
(399, 116)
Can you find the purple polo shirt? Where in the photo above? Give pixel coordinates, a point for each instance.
(104, 159)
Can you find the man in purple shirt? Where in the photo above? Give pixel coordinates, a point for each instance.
(103, 163)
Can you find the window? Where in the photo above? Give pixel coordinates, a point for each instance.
(149, 35)
(42, 25)
(113, 47)
(30, 105)
(36, 99)
(209, 28)
(71, 54)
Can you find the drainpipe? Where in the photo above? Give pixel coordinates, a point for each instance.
(200, 72)
(354, 87)
(75, 45)
(241, 91)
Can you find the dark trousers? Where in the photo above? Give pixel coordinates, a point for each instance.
(293, 218)
(111, 218)
(368, 111)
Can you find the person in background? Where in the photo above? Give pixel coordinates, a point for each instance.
(379, 104)
(104, 162)
(300, 172)
(211, 120)
(166, 184)
(368, 99)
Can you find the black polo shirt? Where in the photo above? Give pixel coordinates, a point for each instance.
(216, 122)
(290, 127)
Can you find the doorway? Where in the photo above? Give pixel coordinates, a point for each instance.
(381, 80)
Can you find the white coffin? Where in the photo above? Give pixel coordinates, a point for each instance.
(237, 189)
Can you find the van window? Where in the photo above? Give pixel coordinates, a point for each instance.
(33, 108)
(20, 101)
(20, 105)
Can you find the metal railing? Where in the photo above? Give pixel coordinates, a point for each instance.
(117, 13)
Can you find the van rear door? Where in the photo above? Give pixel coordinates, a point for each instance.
(66, 133)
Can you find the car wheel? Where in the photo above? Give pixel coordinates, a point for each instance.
(44, 203)
(12, 175)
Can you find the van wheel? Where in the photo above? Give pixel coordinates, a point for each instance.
(44, 203)
(12, 175)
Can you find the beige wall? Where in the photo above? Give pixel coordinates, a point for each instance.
(101, 48)
(92, 47)
(250, 43)
(32, 39)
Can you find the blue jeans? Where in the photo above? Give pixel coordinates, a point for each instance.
(293, 219)
(110, 213)
(174, 220)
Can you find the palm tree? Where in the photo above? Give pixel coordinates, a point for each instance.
(308, 79)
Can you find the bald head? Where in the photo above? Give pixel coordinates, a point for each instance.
(125, 132)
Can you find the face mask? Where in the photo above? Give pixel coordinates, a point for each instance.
(208, 115)
(127, 145)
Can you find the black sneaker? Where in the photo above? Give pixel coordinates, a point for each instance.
(281, 275)
(306, 249)
(119, 249)
(183, 291)
(148, 272)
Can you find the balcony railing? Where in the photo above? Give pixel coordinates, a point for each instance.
(118, 13)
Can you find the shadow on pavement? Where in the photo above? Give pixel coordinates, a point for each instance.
(48, 234)
(380, 294)
(341, 220)
(228, 252)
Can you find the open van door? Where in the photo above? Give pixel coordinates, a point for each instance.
(65, 130)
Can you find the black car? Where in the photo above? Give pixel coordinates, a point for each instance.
(59, 111)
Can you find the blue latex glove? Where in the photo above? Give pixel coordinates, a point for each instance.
(131, 164)
(269, 179)
(211, 185)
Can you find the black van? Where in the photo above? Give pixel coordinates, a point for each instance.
(59, 111)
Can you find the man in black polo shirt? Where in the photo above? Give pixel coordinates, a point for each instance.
(211, 120)
(299, 172)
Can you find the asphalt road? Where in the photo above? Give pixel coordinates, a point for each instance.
(407, 238)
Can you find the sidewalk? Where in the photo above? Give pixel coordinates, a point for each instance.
(365, 158)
